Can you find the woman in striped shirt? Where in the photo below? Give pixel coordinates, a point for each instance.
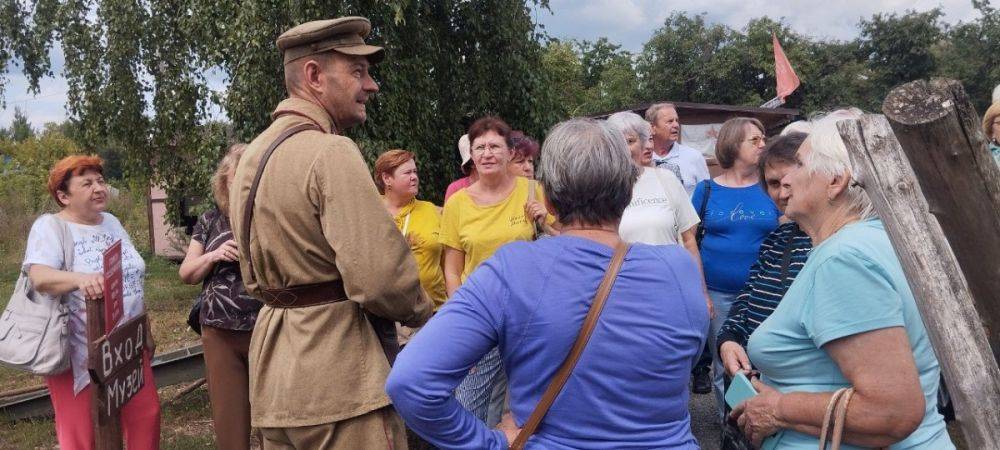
(782, 255)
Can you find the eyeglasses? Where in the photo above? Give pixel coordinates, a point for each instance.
(481, 149)
(757, 140)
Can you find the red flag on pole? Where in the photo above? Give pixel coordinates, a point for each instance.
(788, 81)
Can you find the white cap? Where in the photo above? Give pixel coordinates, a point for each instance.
(464, 149)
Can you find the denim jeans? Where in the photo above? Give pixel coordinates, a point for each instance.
(722, 301)
(484, 390)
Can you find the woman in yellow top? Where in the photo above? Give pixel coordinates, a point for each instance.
(477, 221)
(419, 221)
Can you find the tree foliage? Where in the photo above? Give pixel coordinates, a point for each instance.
(160, 87)
(142, 73)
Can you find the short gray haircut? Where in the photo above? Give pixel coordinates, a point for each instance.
(829, 158)
(629, 122)
(654, 110)
(587, 172)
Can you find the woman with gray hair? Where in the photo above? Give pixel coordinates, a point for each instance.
(848, 326)
(530, 298)
(660, 212)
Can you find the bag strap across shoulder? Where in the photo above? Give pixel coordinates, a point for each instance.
(248, 207)
(66, 240)
(566, 369)
(700, 233)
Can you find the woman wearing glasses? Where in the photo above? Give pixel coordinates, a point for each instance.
(477, 221)
(736, 216)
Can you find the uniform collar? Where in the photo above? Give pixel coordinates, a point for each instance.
(307, 110)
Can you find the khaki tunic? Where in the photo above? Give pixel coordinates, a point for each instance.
(318, 218)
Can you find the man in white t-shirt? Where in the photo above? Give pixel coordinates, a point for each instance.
(685, 162)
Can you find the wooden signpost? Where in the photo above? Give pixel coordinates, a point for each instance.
(115, 354)
(931, 260)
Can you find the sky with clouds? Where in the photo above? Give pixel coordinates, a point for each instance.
(629, 23)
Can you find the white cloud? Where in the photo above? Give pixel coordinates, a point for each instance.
(631, 23)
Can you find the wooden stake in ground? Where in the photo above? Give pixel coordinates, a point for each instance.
(933, 272)
(114, 354)
(941, 135)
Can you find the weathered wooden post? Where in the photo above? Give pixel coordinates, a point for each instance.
(115, 354)
(940, 133)
(933, 272)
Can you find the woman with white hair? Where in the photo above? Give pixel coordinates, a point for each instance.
(660, 212)
(848, 321)
(629, 390)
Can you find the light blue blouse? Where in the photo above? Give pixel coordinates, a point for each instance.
(851, 284)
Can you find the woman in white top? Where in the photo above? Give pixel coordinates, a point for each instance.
(77, 185)
(660, 212)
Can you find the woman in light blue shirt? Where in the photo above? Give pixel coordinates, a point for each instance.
(848, 320)
(629, 387)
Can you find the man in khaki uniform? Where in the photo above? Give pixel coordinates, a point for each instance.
(322, 254)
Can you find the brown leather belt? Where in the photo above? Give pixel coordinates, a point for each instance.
(305, 295)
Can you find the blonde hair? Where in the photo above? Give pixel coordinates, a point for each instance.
(220, 179)
(988, 118)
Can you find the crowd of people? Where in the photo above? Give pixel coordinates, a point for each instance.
(314, 273)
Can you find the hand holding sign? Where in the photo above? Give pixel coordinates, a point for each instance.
(91, 285)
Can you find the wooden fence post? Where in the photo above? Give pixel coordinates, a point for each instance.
(941, 135)
(107, 430)
(933, 272)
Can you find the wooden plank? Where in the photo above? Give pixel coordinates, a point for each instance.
(940, 133)
(112, 353)
(934, 276)
(107, 431)
(119, 388)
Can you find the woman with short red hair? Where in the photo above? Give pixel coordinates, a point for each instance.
(420, 221)
(77, 185)
(498, 209)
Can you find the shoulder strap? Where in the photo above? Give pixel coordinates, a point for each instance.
(66, 239)
(532, 196)
(659, 177)
(700, 233)
(562, 375)
(248, 207)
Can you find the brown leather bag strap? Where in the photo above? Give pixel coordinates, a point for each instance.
(562, 375)
(248, 207)
(832, 430)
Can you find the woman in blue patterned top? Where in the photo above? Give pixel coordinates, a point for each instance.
(736, 217)
(781, 257)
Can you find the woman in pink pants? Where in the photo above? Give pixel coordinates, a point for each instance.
(77, 185)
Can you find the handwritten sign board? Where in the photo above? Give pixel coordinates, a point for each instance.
(114, 306)
(116, 365)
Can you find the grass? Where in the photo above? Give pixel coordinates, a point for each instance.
(185, 424)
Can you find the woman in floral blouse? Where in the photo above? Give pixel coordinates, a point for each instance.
(227, 314)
